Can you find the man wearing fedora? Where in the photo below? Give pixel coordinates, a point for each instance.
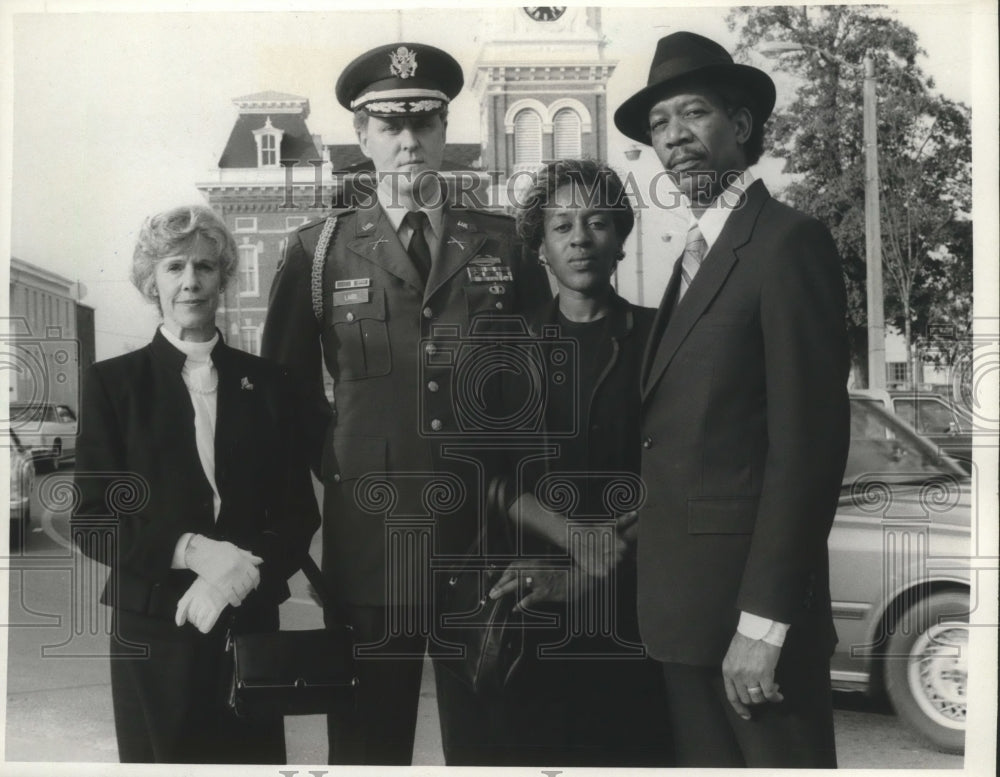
(382, 293)
(745, 430)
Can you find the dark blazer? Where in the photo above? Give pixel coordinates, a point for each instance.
(391, 350)
(137, 457)
(744, 433)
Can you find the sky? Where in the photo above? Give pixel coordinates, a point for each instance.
(114, 115)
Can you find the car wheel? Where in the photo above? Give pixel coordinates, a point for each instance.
(926, 670)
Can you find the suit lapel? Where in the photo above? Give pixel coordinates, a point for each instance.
(227, 412)
(376, 241)
(714, 270)
(460, 241)
(660, 321)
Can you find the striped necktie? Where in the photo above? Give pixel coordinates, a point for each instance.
(694, 253)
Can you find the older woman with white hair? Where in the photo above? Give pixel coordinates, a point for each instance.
(223, 505)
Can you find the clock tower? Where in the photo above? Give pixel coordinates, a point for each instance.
(541, 81)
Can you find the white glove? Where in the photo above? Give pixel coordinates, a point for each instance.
(201, 605)
(230, 569)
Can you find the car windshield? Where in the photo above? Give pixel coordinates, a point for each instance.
(31, 413)
(885, 448)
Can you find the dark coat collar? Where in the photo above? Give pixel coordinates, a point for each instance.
(173, 359)
(622, 318)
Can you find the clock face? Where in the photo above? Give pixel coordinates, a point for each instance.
(545, 13)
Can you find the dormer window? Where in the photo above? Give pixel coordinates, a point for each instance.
(268, 140)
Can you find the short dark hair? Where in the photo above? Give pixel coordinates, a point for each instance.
(607, 192)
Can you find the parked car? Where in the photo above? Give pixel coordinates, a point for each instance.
(48, 430)
(899, 565)
(934, 416)
(22, 477)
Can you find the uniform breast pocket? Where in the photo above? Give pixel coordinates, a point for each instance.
(489, 297)
(362, 335)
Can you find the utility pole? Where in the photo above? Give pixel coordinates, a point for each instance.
(873, 236)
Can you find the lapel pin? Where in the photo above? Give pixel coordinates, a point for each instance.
(367, 226)
(246, 385)
(456, 241)
(378, 242)
(463, 225)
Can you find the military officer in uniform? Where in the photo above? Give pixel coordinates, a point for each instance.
(383, 294)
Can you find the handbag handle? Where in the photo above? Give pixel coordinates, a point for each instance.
(331, 607)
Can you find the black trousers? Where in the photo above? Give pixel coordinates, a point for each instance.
(794, 733)
(169, 706)
(591, 712)
(379, 728)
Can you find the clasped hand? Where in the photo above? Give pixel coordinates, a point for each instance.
(597, 552)
(201, 605)
(232, 570)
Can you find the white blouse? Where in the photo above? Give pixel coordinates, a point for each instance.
(202, 381)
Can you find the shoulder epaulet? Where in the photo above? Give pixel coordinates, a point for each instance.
(319, 260)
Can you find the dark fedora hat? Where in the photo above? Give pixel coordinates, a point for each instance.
(686, 57)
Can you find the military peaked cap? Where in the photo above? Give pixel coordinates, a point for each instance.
(400, 79)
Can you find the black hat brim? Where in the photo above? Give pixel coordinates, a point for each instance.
(632, 116)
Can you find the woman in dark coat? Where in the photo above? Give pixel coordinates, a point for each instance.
(189, 445)
(592, 698)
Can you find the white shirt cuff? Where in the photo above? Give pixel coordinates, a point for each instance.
(180, 549)
(755, 627)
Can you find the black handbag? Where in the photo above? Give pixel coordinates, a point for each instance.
(305, 672)
(492, 636)
(498, 644)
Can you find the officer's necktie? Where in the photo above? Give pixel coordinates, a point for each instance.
(418, 249)
(694, 252)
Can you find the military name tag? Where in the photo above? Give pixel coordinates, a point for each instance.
(353, 283)
(489, 274)
(355, 297)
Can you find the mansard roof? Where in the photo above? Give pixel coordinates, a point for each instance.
(296, 143)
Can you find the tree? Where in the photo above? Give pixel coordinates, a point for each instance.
(925, 157)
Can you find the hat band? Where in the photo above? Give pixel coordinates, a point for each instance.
(398, 94)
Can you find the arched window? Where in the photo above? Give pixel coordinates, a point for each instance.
(527, 138)
(566, 134)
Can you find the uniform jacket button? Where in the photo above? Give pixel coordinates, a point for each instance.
(428, 313)
(499, 306)
(436, 425)
(647, 442)
(336, 477)
(349, 316)
(432, 386)
(430, 349)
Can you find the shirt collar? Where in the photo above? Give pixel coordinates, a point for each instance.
(395, 212)
(715, 216)
(195, 351)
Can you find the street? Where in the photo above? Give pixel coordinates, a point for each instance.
(58, 687)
